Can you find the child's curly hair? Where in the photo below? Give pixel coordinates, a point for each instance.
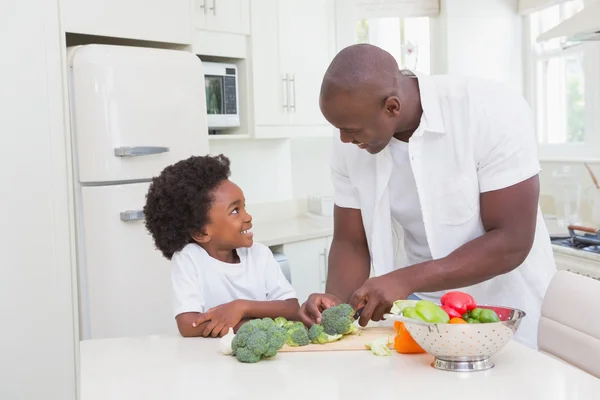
(179, 199)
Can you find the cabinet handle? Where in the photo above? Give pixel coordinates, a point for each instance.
(214, 7)
(293, 82)
(323, 270)
(135, 151)
(284, 92)
(131, 215)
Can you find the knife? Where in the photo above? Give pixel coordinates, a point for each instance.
(358, 312)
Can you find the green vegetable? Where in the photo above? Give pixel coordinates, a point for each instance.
(317, 335)
(472, 321)
(481, 315)
(379, 346)
(297, 335)
(257, 339)
(427, 311)
(400, 305)
(280, 321)
(339, 320)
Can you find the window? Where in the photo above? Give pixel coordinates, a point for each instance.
(407, 39)
(560, 89)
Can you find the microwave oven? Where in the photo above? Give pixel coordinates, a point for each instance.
(221, 87)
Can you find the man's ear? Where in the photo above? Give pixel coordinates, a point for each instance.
(392, 106)
(202, 236)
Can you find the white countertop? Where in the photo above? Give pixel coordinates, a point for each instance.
(297, 228)
(173, 368)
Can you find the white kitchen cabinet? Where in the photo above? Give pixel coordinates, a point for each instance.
(38, 296)
(168, 21)
(229, 16)
(293, 42)
(308, 259)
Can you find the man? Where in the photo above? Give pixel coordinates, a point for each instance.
(453, 162)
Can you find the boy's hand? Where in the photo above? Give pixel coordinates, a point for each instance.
(221, 318)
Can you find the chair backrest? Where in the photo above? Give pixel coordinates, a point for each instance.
(569, 327)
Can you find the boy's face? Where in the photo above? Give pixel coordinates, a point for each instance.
(229, 223)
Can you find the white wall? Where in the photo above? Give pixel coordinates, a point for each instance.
(479, 38)
(262, 168)
(310, 167)
(37, 327)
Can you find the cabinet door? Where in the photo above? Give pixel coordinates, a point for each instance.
(231, 16)
(308, 27)
(270, 89)
(200, 13)
(157, 20)
(307, 260)
(126, 286)
(328, 241)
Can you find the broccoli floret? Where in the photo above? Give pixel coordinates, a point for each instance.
(257, 339)
(280, 321)
(317, 335)
(339, 320)
(297, 335)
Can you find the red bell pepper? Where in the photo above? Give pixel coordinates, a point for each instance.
(452, 313)
(459, 301)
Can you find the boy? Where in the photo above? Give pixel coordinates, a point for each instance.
(220, 277)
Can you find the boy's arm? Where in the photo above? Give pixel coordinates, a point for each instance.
(185, 324)
(287, 309)
(216, 321)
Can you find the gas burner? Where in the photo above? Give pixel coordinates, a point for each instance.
(592, 249)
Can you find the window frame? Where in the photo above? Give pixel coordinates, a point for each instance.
(589, 149)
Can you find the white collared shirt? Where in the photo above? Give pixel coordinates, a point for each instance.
(475, 136)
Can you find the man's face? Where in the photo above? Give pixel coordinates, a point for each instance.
(366, 124)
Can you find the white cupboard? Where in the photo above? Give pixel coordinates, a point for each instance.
(168, 21)
(229, 16)
(308, 265)
(293, 42)
(38, 331)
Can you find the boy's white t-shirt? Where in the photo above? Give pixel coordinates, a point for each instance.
(201, 282)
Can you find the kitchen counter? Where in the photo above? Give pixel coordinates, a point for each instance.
(286, 230)
(173, 368)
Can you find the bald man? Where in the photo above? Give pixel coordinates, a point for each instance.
(448, 164)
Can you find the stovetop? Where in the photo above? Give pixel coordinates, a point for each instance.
(586, 242)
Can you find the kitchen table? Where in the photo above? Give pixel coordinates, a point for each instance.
(171, 367)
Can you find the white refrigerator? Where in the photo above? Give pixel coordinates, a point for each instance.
(134, 111)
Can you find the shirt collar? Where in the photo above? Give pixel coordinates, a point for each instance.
(431, 120)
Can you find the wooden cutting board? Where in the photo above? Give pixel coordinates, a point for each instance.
(348, 342)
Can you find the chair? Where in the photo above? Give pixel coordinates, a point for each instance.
(569, 327)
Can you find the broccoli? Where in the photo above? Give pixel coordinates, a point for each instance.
(297, 335)
(280, 321)
(317, 335)
(256, 339)
(339, 320)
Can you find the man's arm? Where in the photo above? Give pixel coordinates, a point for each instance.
(238, 311)
(349, 259)
(509, 218)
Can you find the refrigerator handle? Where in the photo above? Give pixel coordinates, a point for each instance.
(131, 215)
(134, 151)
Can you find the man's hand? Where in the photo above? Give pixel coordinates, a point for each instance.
(221, 318)
(377, 296)
(310, 312)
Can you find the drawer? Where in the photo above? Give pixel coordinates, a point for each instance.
(134, 110)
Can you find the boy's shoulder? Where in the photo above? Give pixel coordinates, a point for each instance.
(257, 250)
